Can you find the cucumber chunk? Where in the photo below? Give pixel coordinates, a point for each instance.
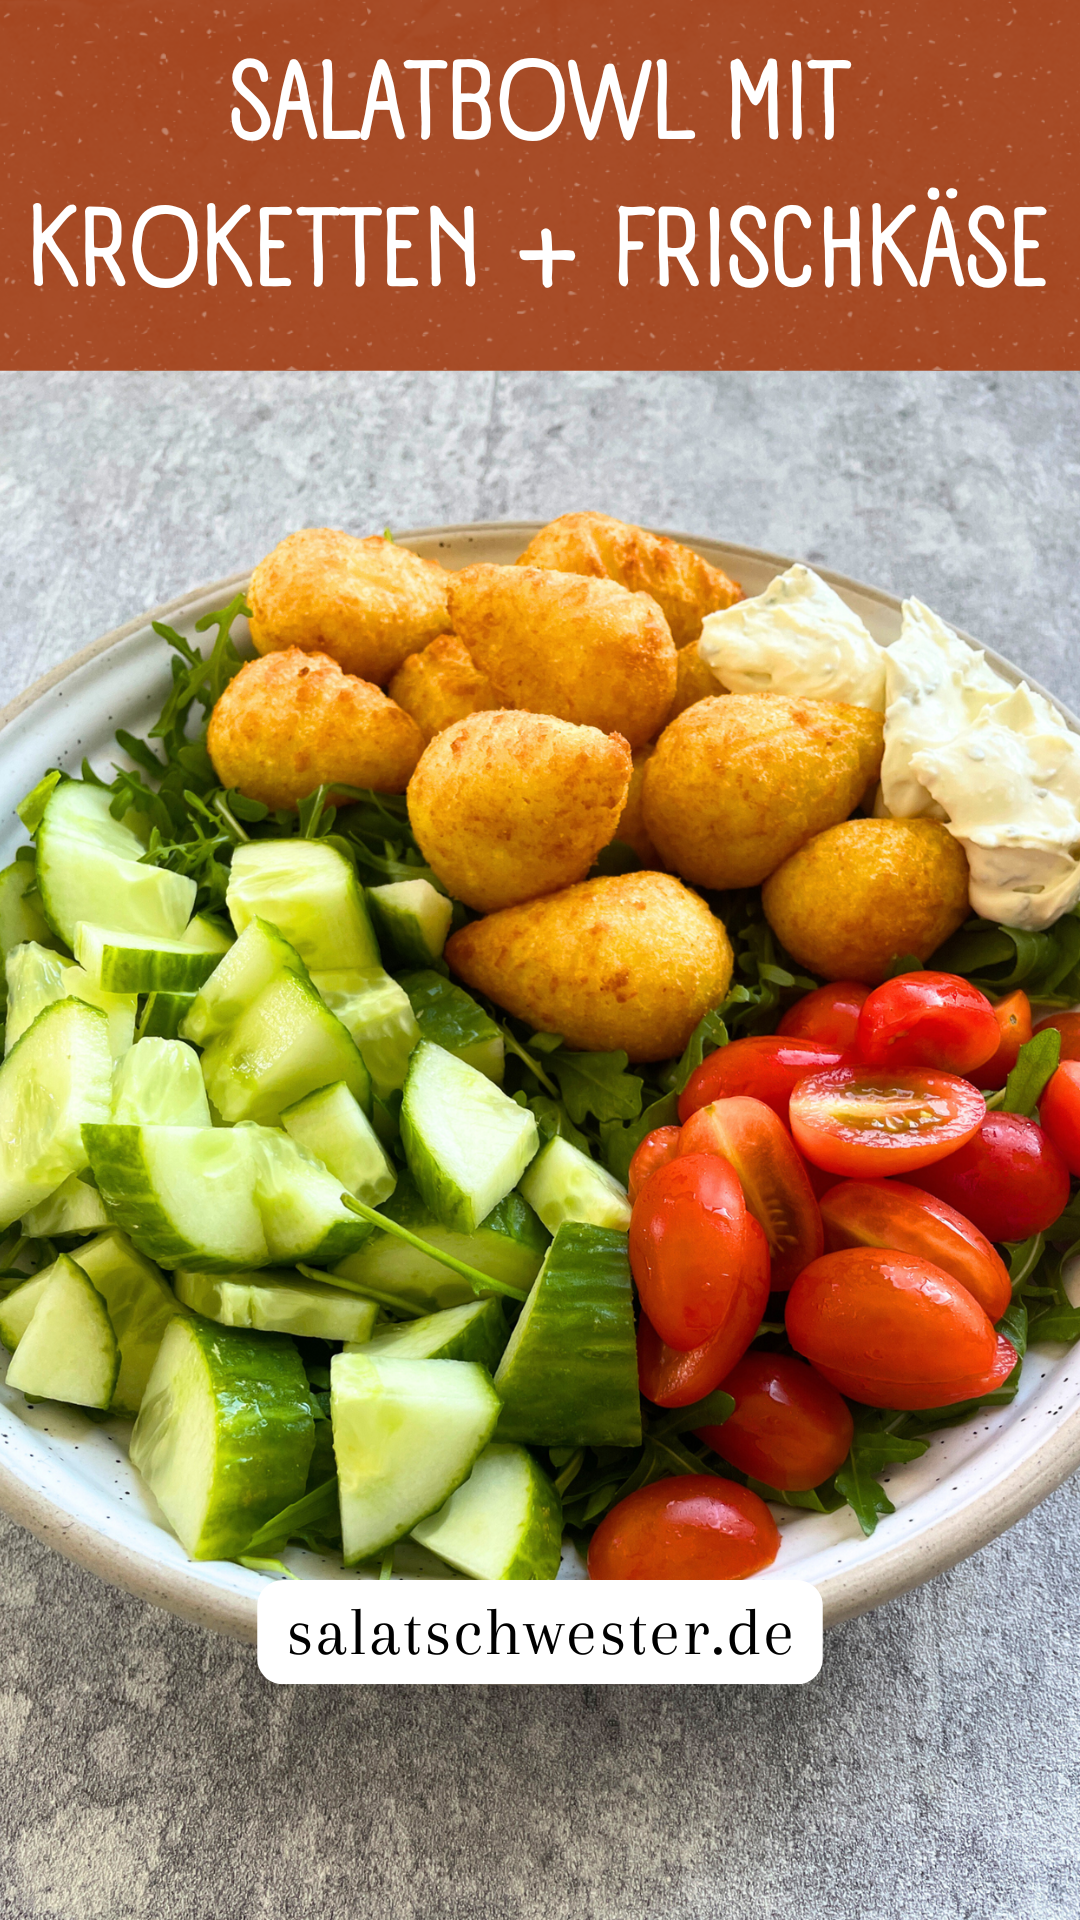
(68, 1351)
(89, 866)
(138, 963)
(186, 1195)
(309, 891)
(140, 1305)
(509, 1245)
(504, 1523)
(475, 1331)
(568, 1377)
(332, 1125)
(286, 1044)
(224, 1433)
(21, 918)
(163, 1015)
(277, 1301)
(564, 1184)
(36, 978)
(56, 1076)
(450, 1018)
(406, 1434)
(75, 1207)
(466, 1142)
(377, 1013)
(412, 918)
(159, 1083)
(299, 1201)
(256, 958)
(17, 1309)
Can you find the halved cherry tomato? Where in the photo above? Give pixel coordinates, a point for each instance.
(1013, 1015)
(864, 1123)
(1009, 1179)
(889, 1213)
(773, 1178)
(932, 1020)
(671, 1378)
(829, 1015)
(766, 1067)
(697, 1527)
(790, 1428)
(1059, 1111)
(688, 1247)
(1068, 1025)
(657, 1148)
(891, 1330)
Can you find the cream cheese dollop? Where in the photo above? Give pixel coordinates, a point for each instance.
(936, 686)
(797, 638)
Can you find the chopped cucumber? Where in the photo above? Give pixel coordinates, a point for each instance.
(224, 1433)
(256, 958)
(406, 1434)
(509, 1246)
(36, 978)
(564, 1184)
(412, 918)
(277, 1301)
(377, 1013)
(140, 1304)
(504, 1523)
(300, 1203)
(450, 1018)
(75, 1207)
(163, 1015)
(139, 963)
(21, 918)
(159, 1083)
(17, 1308)
(310, 892)
(68, 1351)
(475, 1331)
(467, 1143)
(90, 865)
(334, 1127)
(186, 1195)
(56, 1077)
(569, 1376)
(286, 1044)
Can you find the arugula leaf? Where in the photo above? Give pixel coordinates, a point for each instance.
(314, 1512)
(32, 805)
(823, 1499)
(709, 1034)
(996, 959)
(874, 1446)
(552, 1118)
(903, 963)
(597, 1083)
(620, 1143)
(1036, 1063)
(712, 1411)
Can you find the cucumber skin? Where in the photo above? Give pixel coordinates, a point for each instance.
(115, 1155)
(450, 1018)
(538, 1553)
(139, 1302)
(569, 1374)
(164, 1015)
(482, 1337)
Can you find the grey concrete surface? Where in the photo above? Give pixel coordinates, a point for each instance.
(931, 1771)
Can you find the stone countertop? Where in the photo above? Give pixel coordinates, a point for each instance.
(931, 1771)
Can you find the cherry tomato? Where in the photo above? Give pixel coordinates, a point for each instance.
(670, 1378)
(766, 1067)
(1059, 1111)
(829, 1015)
(866, 1123)
(697, 1527)
(891, 1330)
(657, 1148)
(820, 1181)
(688, 1247)
(790, 1428)
(1068, 1025)
(932, 1020)
(771, 1173)
(1013, 1016)
(1009, 1179)
(889, 1213)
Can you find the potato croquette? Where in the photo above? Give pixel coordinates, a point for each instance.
(683, 585)
(631, 827)
(739, 781)
(366, 603)
(585, 650)
(632, 961)
(292, 721)
(507, 806)
(441, 685)
(858, 896)
(694, 681)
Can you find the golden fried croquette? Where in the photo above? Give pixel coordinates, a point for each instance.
(631, 827)
(441, 685)
(694, 681)
(292, 721)
(739, 781)
(585, 650)
(683, 585)
(863, 893)
(366, 603)
(632, 961)
(507, 805)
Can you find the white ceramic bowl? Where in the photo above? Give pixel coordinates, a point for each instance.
(69, 1480)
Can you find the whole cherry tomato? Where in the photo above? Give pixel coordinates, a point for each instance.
(889, 1213)
(1059, 1111)
(790, 1428)
(766, 1067)
(932, 1020)
(891, 1330)
(688, 1247)
(867, 1123)
(657, 1148)
(670, 1378)
(771, 1173)
(1009, 1179)
(829, 1015)
(1068, 1025)
(697, 1527)
(1013, 1016)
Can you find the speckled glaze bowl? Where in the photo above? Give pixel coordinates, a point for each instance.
(69, 1479)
